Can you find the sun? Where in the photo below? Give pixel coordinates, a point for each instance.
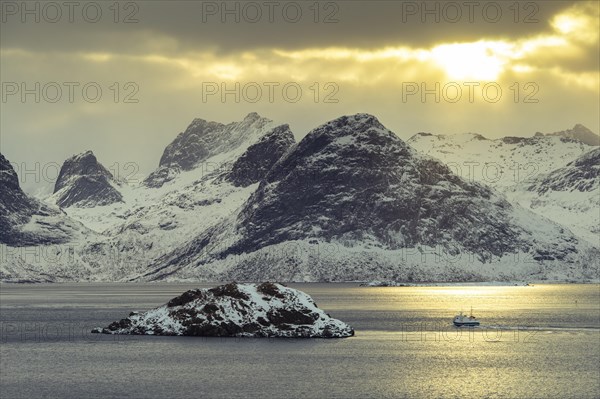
(481, 60)
(565, 23)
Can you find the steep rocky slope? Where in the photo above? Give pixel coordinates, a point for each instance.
(202, 140)
(85, 183)
(25, 221)
(255, 163)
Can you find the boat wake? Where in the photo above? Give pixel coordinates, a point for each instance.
(537, 328)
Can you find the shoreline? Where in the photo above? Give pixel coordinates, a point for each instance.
(363, 283)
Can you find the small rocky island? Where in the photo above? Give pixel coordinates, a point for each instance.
(235, 310)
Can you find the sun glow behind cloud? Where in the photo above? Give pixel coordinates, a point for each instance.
(579, 23)
(482, 60)
(479, 60)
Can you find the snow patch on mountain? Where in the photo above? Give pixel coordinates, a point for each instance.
(570, 195)
(499, 163)
(536, 172)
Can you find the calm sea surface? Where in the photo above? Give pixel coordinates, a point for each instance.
(534, 342)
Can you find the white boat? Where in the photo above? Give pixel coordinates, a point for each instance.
(462, 320)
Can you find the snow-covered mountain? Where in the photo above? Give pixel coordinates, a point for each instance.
(26, 221)
(84, 182)
(570, 195)
(503, 162)
(513, 164)
(148, 221)
(352, 201)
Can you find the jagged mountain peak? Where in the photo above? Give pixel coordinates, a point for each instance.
(252, 116)
(580, 127)
(203, 139)
(82, 164)
(353, 178)
(358, 140)
(199, 126)
(89, 154)
(579, 132)
(199, 133)
(13, 201)
(350, 125)
(84, 182)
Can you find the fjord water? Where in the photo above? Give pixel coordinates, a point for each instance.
(535, 342)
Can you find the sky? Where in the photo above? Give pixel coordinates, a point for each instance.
(123, 79)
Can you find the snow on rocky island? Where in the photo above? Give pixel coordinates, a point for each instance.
(235, 310)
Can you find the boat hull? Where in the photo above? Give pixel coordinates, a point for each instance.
(466, 324)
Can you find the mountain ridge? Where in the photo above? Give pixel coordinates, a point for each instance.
(301, 201)
(202, 140)
(578, 132)
(350, 201)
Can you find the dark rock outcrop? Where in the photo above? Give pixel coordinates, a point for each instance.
(258, 159)
(518, 140)
(15, 206)
(13, 201)
(582, 174)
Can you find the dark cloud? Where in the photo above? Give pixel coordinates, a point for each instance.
(362, 24)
